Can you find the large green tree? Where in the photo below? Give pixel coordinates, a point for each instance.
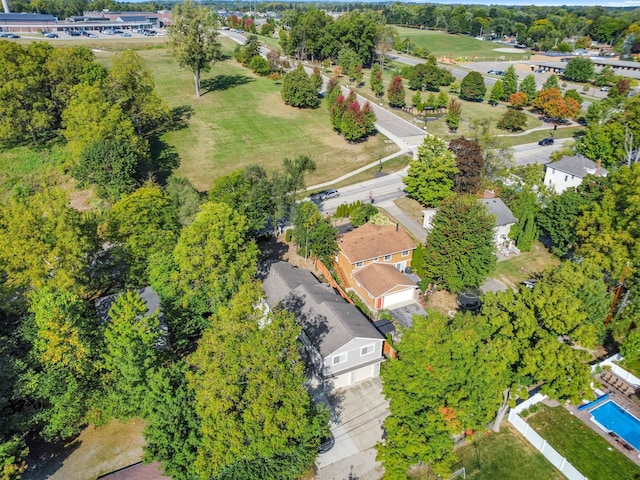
(579, 70)
(140, 225)
(43, 241)
(66, 350)
(26, 108)
(299, 90)
(608, 230)
(510, 81)
(430, 177)
(132, 87)
(314, 235)
(133, 342)
(465, 374)
(528, 86)
(257, 419)
(249, 192)
(460, 247)
(473, 88)
(91, 116)
(194, 38)
(212, 258)
(172, 435)
(112, 167)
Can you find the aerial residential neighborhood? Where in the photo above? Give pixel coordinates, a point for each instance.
(329, 241)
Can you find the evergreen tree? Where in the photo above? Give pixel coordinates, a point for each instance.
(497, 92)
(395, 92)
(510, 81)
(473, 87)
(298, 90)
(551, 82)
(528, 86)
(172, 435)
(333, 92)
(460, 247)
(132, 340)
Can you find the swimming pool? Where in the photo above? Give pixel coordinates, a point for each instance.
(612, 416)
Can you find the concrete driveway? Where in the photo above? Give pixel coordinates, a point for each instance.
(357, 415)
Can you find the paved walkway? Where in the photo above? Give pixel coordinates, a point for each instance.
(535, 129)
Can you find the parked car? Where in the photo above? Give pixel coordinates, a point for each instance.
(605, 89)
(125, 34)
(546, 141)
(73, 33)
(9, 35)
(326, 443)
(50, 35)
(331, 193)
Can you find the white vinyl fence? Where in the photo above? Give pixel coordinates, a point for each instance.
(617, 370)
(543, 447)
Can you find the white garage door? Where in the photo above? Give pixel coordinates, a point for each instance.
(341, 380)
(354, 376)
(363, 373)
(396, 298)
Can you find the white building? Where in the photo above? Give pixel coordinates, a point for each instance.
(570, 171)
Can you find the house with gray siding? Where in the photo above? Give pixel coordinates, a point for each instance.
(342, 345)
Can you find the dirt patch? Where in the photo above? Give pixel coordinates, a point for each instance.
(95, 452)
(81, 199)
(442, 301)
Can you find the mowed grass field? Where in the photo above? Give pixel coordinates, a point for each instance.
(241, 120)
(506, 456)
(456, 46)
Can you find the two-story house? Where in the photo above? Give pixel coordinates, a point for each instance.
(341, 344)
(570, 171)
(372, 260)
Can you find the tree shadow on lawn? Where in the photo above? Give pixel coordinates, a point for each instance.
(224, 82)
(164, 159)
(45, 459)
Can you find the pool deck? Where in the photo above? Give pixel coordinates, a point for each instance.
(618, 391)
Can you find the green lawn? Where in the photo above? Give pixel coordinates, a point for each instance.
(27, 166)
(505, 456)
(242, 120)
(521, 267)
(583, 448)
(460, 47)
(632, 365)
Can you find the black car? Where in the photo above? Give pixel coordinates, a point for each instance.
(326, 443)
(546, 141)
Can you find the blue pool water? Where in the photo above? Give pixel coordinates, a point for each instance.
(612, 416)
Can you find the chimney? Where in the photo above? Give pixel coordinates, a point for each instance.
(396, 226)
(598, 163)
(5, 5)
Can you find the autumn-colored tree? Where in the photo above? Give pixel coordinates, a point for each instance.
(395, 92)
(518, 99)
(469, 162)
(352, 126)
(555, 106)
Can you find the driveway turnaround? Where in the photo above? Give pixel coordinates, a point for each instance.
(357, 415)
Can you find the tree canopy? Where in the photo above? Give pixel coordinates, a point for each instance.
(430, 177)
(459, 250)
(194, 38)
(298, 89)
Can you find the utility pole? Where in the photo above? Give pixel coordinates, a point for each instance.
(5, 5)
(617, 295)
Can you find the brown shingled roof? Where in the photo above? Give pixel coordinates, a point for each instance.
(372, 241)
(381, 278)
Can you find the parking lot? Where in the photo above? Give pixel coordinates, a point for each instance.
(357, 415)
